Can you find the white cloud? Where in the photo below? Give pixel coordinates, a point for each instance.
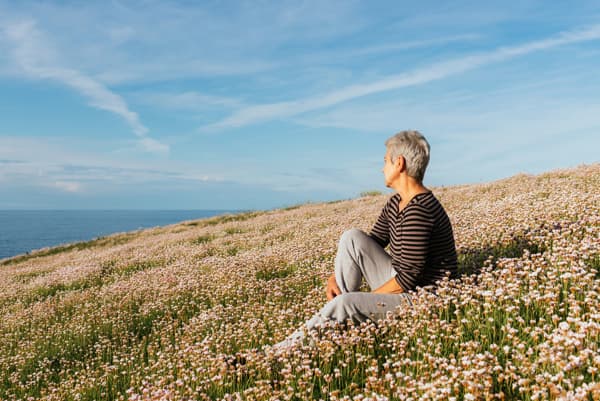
(386, 48)
(175, 68)
(38, 161)
(189, 100)
(204, 178)
(152, 145)
(265, 112)
(154, 41)
(68, 186)
(35, 58)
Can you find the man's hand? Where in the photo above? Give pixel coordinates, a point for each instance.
(332, 290)
(389, 287)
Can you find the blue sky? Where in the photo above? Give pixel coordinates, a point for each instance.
(256, 105)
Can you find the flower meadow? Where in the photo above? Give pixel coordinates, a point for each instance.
(184, 312)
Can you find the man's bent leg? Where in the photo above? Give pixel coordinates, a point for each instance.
(359, 256)
(357, 306)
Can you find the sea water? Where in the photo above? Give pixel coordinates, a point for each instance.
(22, 231)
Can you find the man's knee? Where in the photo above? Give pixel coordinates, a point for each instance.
(343, 300)
(343, 307)
(352, 236)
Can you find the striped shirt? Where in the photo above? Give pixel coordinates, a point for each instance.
(420, 238)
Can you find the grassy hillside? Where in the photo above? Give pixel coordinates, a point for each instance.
(161, 313)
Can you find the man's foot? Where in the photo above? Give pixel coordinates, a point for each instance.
(288, 345)
(283, 347)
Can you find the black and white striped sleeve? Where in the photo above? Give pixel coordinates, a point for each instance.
(380, 231)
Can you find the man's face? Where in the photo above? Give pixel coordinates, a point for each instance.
(389, 170)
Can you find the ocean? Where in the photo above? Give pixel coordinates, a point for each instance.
(22, 231)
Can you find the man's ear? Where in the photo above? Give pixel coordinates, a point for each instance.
(400, 163)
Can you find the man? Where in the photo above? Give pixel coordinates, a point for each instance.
(414, 225)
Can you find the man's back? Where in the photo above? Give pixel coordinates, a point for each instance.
(421, 240)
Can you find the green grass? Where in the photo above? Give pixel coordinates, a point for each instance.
(234, 230)
(25, 278)
(364, 194)
(470, 261)
(203, 239)
(231, 217)
(292, 207)
(270, 273)
(225, 218)
(139, 266)
(232, 251)
(73, 348)
(41, 293)
(593, 262)
(267, 228)
(109, 273)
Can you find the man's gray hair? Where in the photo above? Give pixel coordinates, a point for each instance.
(415, 149)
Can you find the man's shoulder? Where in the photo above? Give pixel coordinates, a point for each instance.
(426, 204)
(392, 200)
(427, 200)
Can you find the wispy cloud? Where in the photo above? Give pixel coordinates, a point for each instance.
(156, 41)
(11, 161)
(35, 58)
(417, 44)
(388, 48)
(45, 162)
(188, 100)
(175, 68)
(67, 186)
(265, 112)
(152, 145)
(79, 178)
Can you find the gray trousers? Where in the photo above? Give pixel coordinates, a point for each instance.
(358, 256)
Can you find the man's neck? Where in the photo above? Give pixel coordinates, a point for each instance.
(408, 188)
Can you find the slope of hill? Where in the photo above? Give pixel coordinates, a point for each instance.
(163, 313)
